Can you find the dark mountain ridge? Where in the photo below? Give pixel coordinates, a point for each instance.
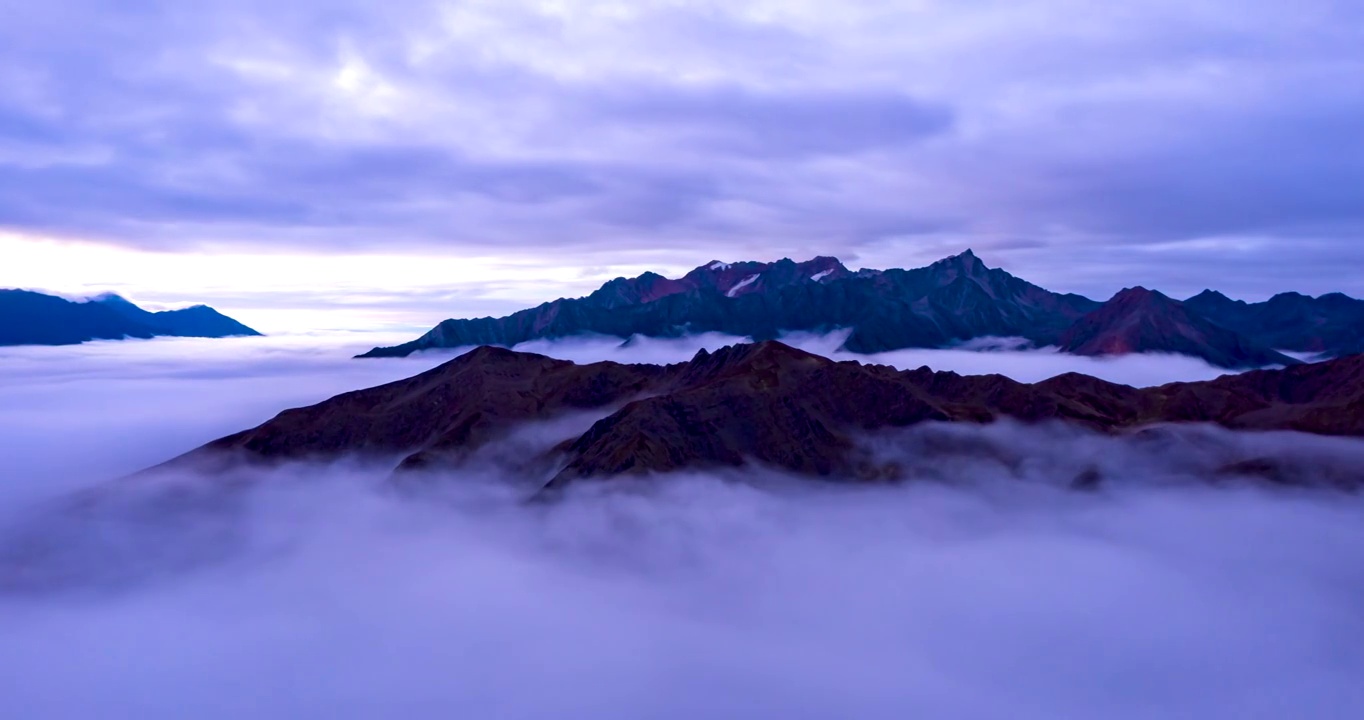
(1141, 320)
(1332, 324)
(949, 302)
(764, 403)
(32, 318)
(952, 300)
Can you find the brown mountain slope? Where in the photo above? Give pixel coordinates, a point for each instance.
(1324, 398)
(454, 408)
(763, 402)
(784, 407)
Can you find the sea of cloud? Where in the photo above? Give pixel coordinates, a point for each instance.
(1006, 356)
(987, 588)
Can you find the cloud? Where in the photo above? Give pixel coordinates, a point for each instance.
(1137, 370)
(731, 119)
(982, 590)
(131, 404)
(598, 131)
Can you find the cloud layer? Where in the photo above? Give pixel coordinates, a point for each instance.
(981, 357)
(984, 591)
(1083, 147)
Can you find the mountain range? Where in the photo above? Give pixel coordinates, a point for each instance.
(764, 403)
(945, 304)
(32, 318)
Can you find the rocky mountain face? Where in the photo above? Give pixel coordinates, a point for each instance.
(1332, 324)
(949, 302)
(1141, 320)
(30, 318)
(764, 403)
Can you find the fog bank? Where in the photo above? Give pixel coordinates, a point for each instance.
(983, 356)
(983, 588)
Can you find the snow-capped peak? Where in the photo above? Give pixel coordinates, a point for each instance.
(821, 275)
(717, 265)
(742, 284)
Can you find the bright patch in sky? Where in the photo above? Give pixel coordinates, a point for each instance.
(294, 291)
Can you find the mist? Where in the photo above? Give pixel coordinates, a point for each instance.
(74, 415)
(985, 586)
(1005, 356)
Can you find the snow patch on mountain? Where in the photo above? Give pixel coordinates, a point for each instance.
(742, 284)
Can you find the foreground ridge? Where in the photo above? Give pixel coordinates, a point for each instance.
(765, 403)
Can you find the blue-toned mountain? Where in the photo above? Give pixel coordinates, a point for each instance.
(944, 304)
(32, 318)
(1332, 324)
(948, 302)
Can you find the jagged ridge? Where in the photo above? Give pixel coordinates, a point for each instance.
(949, 302)
(763, 402)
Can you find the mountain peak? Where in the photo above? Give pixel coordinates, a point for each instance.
(770, 356)
(1290, 297)
(767, 350)
(109, 297)
(965, 262)
(1210, 294)
(498, 356)
(1139, 295)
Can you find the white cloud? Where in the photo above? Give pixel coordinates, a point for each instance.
(987, 593)
(1022, 365)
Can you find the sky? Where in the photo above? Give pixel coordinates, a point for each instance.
(314, 590)
(326, 164)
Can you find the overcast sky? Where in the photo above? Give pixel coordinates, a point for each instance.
(406, 161)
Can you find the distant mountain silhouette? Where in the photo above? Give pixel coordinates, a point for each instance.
(766, 403)
(1332, 324)
(31, 318)
(1141, 320)
(947, 303)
